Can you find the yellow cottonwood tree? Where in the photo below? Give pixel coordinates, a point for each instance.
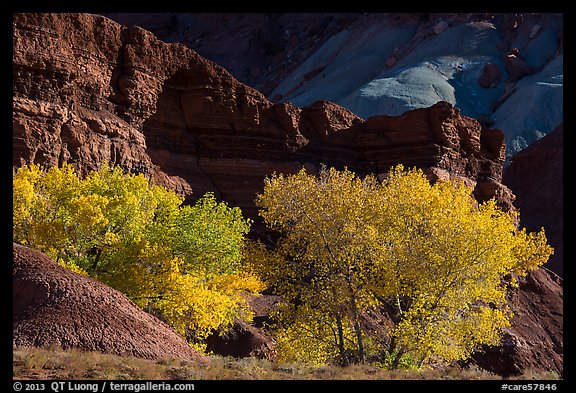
(182, 263)
(331, 255)
(428, 253)
(449, 255)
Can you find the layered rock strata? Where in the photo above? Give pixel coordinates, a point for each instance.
(87, 90)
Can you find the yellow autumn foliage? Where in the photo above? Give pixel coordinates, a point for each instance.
(182, 263)
(428, 253)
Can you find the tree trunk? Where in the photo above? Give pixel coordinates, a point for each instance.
(397, 358)
(358, 330)
(341, 348)
(393, 350)
(97, 259)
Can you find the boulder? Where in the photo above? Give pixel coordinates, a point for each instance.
(490, 76)
(516, 66)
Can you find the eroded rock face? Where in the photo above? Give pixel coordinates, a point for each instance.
(535, 341)
(55, 306)
(87, 90)
(254, 47)
(242, 340)
(535, 175)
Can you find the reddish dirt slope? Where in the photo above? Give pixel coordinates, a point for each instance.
(535, 341)
(55, 306)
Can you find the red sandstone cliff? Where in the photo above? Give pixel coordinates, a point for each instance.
(540, 196)
(534, 341)
(88, 90)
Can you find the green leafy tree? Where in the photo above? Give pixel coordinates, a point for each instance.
(182, 263)
(428, 253)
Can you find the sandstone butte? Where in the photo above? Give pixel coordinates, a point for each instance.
(88, 90)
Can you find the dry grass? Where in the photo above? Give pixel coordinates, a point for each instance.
(50, 363)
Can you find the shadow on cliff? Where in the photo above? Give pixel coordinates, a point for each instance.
(172, 147)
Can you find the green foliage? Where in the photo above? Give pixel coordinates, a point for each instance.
(397, 361)
(428, 253)
(183, 263)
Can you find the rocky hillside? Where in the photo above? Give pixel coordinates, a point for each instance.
(506, 69)
(55, 306)
(87, 90)
(535, 341)
(536, 176)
